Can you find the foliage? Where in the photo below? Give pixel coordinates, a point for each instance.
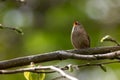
(34, 76)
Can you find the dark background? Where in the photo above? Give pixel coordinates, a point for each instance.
(47, 27)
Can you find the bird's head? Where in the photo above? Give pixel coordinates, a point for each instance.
(76, 23)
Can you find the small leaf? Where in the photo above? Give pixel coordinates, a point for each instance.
(27, 75)
(109, 38)
(32, 64)
(103, 68)
(34, 76)
(19, 31)
(1, 27)
(106, 38)
(42, 76)
(70, 68)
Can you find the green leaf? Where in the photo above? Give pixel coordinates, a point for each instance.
(1, 27)
(70, 68)
(19, 31)
(34, 76)
(103, 68)
(41, 76)
(106, 38)
(28, 76)
(109, 38)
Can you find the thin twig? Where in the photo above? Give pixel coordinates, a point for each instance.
(47, 69)
(63, 73)
(59, 77)
(12, 28)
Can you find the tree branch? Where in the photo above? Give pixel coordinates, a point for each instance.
(47, 69)
(59, 77)
(12, 28)
(37, 69)
(94, 54)
(63, 73)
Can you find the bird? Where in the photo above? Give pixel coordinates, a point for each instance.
(79, 37)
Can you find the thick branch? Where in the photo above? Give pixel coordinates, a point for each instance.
(96, 53)
(96, 50)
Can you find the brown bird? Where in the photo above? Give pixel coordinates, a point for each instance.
(79, 36)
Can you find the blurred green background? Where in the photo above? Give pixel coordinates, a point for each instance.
(47, 27)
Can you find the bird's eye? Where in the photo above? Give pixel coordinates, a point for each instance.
(76, 23)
